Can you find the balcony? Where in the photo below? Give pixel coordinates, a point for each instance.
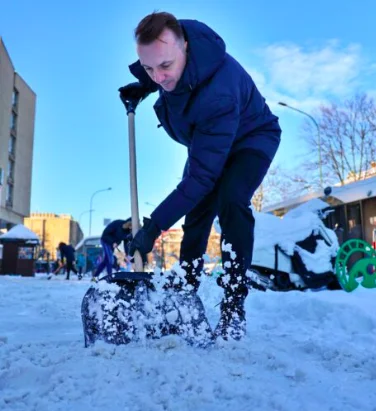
(9, 203)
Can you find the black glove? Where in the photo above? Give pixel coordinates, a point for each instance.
(144, 239)
(134, 92)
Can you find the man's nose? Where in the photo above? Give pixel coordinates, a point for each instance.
(158, 77)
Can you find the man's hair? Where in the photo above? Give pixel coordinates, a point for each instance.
(151, 27)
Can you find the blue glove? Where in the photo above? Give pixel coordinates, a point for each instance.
(145, 238)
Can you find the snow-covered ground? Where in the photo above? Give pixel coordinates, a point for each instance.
(303, 351)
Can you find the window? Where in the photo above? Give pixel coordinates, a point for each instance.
(1, 177)
(15, 98)
(354, 221)
(11, 169)
(9, 194)
(336, 219)
(12, 145)
(25, 253)
(13, 122)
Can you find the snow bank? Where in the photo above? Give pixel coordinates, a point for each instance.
(304, 351)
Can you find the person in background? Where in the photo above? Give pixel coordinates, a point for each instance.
(67, 253)
(116, 232)
(80, 263)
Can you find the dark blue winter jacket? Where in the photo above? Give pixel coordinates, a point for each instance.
(215, 111)
(114, 233)
(67, 252)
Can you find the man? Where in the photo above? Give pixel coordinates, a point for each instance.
(67, 253)
(116, 232)
(210, 104)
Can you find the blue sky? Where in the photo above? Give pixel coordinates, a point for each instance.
(75, 55)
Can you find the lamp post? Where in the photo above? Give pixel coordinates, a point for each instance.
(91, 204)
(318, 134)
(79, 218)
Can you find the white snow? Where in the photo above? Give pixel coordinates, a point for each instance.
(20, 232)
(348, 193)
(356, 191)
(295, 226)
(303, 351)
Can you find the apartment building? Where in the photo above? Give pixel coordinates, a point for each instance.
(17, 117)
(54, 228)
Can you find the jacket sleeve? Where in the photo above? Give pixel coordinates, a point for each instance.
(142, 76)
(212, 140)
(107, 235)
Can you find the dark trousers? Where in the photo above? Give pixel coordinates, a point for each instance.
(70, 267)
(108, 260)
(230, 200)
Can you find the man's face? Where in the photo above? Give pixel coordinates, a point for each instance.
(164, 59)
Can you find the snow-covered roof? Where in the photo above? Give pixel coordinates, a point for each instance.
(359, 190)
(91, 240)
(20, 232)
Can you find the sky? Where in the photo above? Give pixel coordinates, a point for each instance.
(75, 55)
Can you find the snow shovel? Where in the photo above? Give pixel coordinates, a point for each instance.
(138, 274)
(109, 313)
(118, 315)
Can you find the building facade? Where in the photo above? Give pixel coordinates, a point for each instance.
(17, 117)
(167, 247)
(53, 229)
(353, 209)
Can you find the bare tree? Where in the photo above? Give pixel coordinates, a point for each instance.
(348, 139)
(279, 185)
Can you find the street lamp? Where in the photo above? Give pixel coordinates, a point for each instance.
(91, 204)
(318, 134)
(79, 218)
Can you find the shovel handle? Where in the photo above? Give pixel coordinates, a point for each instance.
(139, 266)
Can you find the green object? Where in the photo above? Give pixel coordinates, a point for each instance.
(363, 272)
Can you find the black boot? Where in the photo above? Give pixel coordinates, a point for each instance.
(232, 323)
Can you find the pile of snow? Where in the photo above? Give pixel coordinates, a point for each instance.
(295, 226)
(304, 351)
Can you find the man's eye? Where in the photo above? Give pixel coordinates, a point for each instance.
(148, 69)
(165, 67)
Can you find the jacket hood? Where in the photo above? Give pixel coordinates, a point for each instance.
(206, 51)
